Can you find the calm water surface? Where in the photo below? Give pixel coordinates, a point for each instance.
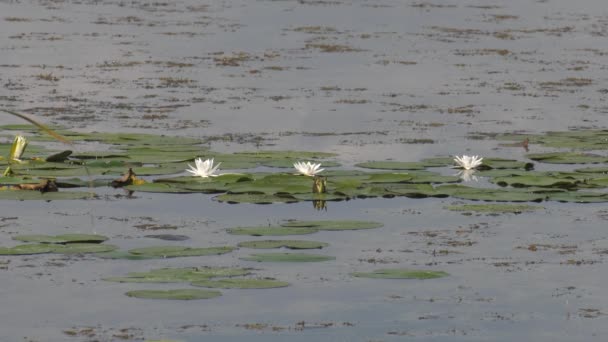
(369, 80)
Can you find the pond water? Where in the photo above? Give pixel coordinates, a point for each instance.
(368, 80)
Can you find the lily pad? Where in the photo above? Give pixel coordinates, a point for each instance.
(26, 249)
(62, 239)
(271, 231)
(388, 178)
(291, 244)
(287, 257)
(29, 195)
(395, 273)
(158, 187)
(333, 225)
(568, 158)
(181, 294)
(176, 275)
(536, 180)
(240, 283)
(392, 165)
(177, 251)
(78, 248)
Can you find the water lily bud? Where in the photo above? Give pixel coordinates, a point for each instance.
(320, 185)
(18, 147)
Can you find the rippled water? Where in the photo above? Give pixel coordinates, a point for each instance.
(366, 79)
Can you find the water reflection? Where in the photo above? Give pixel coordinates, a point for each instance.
(467, 175)
(319, 205)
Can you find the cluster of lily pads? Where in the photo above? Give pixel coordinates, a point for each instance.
(212, 277)
(253, 176)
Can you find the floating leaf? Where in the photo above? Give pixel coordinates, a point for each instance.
(392, 165)
(388, 178)
(26, 249)
(181, 294)
(240, 283)
(271, 231)
(175, 275)
(291, 244)
(62, 239)
(536, 180)
(77, 248)
(26, 195)
(333, 225)
(287, 257)
(158, 187)
(568, 158)
(499, 195)
(395, 273)
(177, 251)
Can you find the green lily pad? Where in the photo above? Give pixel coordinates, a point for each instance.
(271, 231)
(288, 163)
(26, 249)
(78, 248)
(158, 188)
(494, 208)
(578, 197)
(181, 294)
(497, 163)
(62, 239)
(177, 251)
(124, 255)
(287, 257)
(28, 195)
(240, 283)
(395, 273)
(298, 155)
(568, 158)
(176, 275)
(498, 195)
(333, 225)
(291, 244)
(536, 180)
(388, 178)
(392, 165)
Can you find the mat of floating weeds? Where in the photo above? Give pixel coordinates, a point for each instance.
(396, 273)
(179, 294)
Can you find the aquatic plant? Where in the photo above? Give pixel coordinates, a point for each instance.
(203, 168)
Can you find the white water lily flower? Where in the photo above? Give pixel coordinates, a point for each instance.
(307, 168)
(203, 168)
(468, 162)
(18, 147)
(467, 175)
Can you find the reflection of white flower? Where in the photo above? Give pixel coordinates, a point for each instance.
(18, 147)
(308, 168)
(468, 162)
(467, 175)
(203, 168)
